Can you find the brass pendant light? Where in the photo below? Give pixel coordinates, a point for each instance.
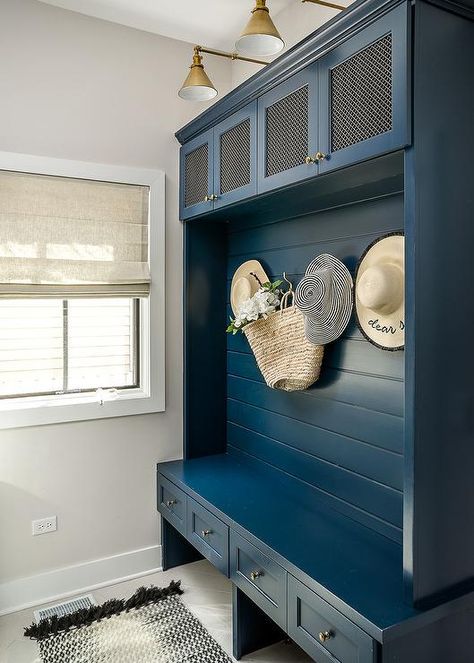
(197, 86)
(260, 36)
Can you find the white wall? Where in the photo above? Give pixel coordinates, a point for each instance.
(75, 87)
(80, 88)
(295, 22)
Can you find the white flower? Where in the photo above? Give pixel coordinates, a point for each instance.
(249, 310)
(260, 305)
(266, 302)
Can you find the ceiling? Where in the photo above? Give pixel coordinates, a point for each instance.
(214, 23)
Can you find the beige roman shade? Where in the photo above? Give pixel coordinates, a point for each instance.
(64, 237)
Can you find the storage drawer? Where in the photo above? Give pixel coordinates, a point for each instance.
(322, 631)
(208, 534)
(262, 579)
(172, 503)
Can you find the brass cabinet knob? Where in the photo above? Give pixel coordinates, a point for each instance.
(210, 198)
(324, 636)
(207, 199)
(170, 502)
(255, 575)
(315, 158)
(214, 196)
(206, 532)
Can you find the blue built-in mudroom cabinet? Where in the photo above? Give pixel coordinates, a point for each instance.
(342, 514)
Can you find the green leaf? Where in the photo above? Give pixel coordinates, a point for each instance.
(275, 285)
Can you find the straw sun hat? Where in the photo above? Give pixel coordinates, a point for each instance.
(245, 283)
(324, 296)
(380, 292)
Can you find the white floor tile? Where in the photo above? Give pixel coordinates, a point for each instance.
(207, 593)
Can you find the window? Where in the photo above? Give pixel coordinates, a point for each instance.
(81, 291)
(53, 346)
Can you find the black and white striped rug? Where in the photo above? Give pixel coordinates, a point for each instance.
(153, 626)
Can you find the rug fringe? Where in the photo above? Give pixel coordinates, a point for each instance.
(86, 616)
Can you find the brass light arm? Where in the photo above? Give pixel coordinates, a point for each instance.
(323, 3)
(224, 54)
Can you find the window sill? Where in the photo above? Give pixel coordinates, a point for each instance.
(39, 411)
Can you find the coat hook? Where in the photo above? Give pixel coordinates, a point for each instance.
(289, 282)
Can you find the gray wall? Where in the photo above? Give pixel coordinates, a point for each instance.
(79, 88)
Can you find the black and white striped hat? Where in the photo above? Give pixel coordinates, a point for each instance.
(324, 296)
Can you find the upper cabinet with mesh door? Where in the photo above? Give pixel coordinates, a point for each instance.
(219, 167)
(363, 94)
(348, 106)
(196, 176)
(338, 98)
(288, 131)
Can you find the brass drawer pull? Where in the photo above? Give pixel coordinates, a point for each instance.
(255, 575)
(171, 502)
(206, 532)
(324, 636)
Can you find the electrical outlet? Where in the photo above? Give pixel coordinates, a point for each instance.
(44, 525)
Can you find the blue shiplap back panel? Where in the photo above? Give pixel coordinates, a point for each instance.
(344, 435)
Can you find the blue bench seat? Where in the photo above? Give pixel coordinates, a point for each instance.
(352, 567)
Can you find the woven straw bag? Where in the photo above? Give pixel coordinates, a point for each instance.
(287, 360)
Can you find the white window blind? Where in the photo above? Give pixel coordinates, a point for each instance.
(53, 346)
(102, 343)
(65, 237)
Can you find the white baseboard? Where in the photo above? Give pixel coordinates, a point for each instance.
(67, 581)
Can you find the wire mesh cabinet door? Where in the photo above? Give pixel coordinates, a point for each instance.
(235, 157)
(288, 131)
(196, 176)
(363, 93)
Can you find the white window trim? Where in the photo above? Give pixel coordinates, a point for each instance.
(150, 397)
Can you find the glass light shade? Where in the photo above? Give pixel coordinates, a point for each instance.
(197, 93)
(197, 86)
(260, 36)
(259, 45)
